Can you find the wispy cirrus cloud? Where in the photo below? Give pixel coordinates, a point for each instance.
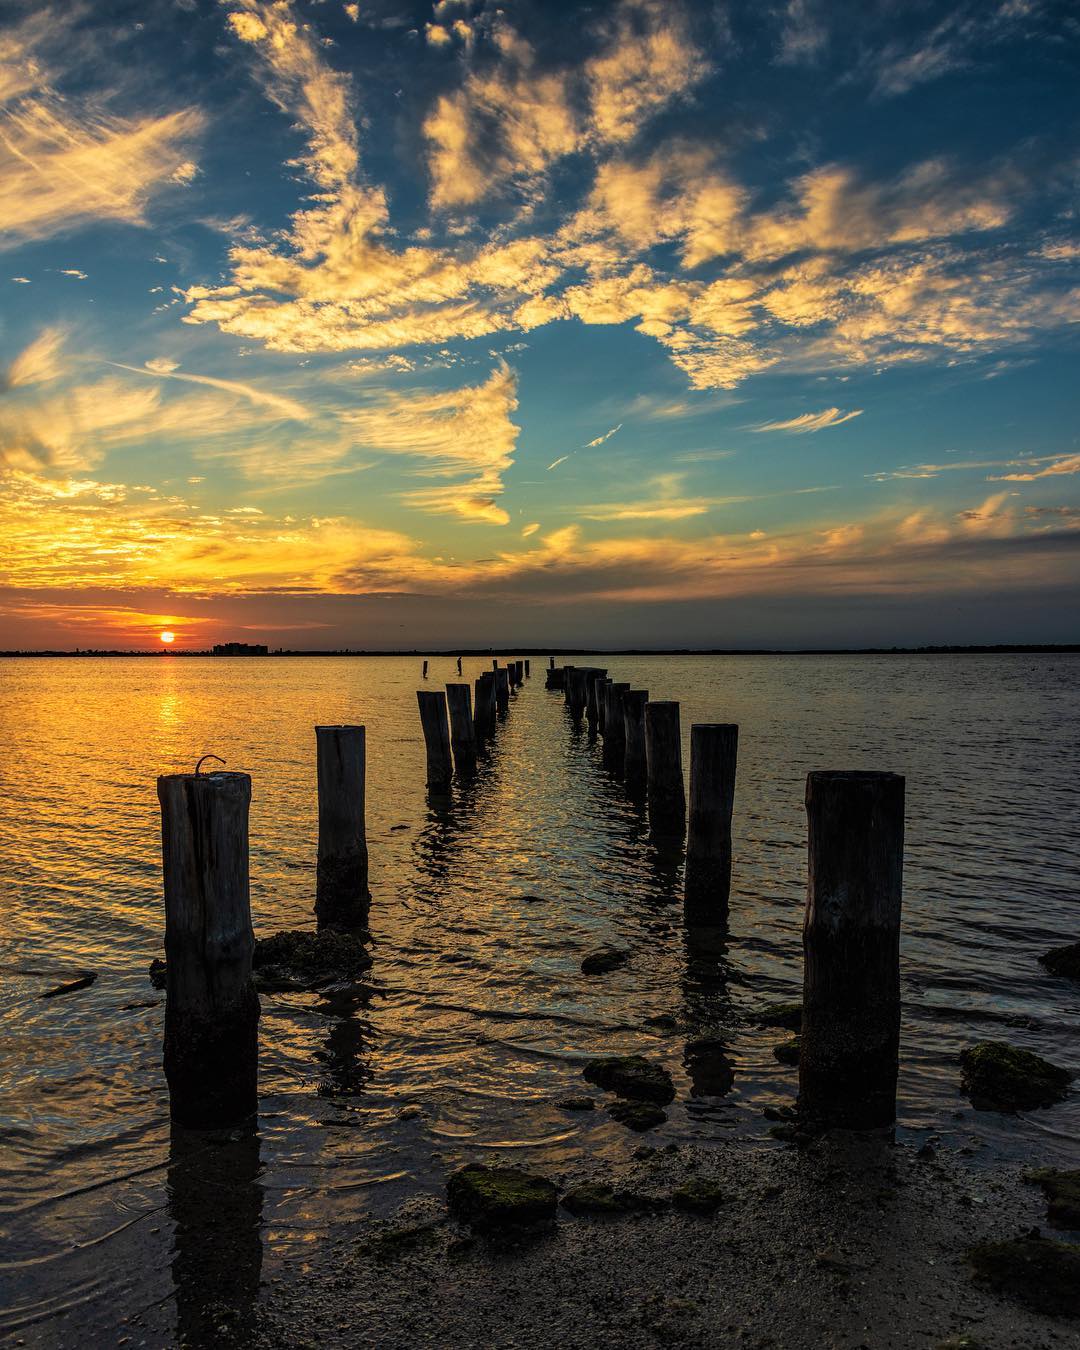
(1052, 467)
(263, 398)
(807, 423)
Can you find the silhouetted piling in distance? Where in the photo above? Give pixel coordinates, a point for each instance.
(459, 665)
(436, 738)
(528, 672)
(577, 692)
(211, 1008)
(663, 760)
(341, 885)
(502, 690)
(424, 672)
(567, 673)
(603, 691)
(592, 711)
(850, 1040)
(615, 736)
(634, 764)
(484, 705)
(713, 755)
(462, 729)
(554, 676)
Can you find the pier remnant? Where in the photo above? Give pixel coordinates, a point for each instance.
(528, 672)
(634, 766)
(211, 1008)
(851, 939)
(341, 885)
(462, 728)
(713, 754)
(502, 690)
(663, 761)
(484, 705)
(614, 734)
(436, 738)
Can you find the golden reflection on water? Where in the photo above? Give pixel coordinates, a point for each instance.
(483, 907)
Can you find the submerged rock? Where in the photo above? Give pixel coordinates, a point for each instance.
(598, 1197)
(1036, 1271)
(1062, 1191)
(157, 973)
(390, 1244)
(603, 960)
(711, 1072)
(500, 1197)
(576, 1104)
(787, 1052)
(787, 1016)
(639, 1116)
(698, 1196)
(300, 959)
(1004, 1078)
(1063, 961)
(631, 1076)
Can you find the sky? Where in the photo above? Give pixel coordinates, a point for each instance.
(635, 323)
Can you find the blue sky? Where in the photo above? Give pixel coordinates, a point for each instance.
(629, 323)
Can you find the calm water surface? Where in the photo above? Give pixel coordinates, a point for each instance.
(478, 1012)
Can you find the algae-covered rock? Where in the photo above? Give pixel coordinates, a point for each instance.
(500, 1197)
(711, 1072)
(698, 1196)
(390, 1244)
(576, 1104)
(1062, 1191)
(1036, 1271)
(787, 1052)
(632, 1076)
(787, 1016)
(299, 959)
(598, 1197)
(1005, 1078)
(638, 1116)
(1063, 961)
(603, 960)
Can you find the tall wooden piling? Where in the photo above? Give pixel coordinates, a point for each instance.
(713, 754)
(211, 1008)
(577, 692)
(614, 734)
(341, 885)
(424, 672)
(567, 673)
(436, 738)
(528, 672)
(663, 761)
(484, 705)
(462, 729)
(459, 665)
(851, 943)
(634, 764)
(502, 690)
(592, 711)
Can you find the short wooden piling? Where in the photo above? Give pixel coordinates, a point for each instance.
(484, 705)
(592, 711)
(528, 672)
(713, 754)
(459, 665)
(211, 1008)
(614, 735)
(424, 672)
(341, 885)
(554, 678)
(850, 1039)
(462, 728)
(663, 761)
(634, 766)
(436, 738)
(577, 692)
(502, 690)
(567, 673)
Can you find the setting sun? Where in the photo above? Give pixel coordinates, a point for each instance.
(168, 636)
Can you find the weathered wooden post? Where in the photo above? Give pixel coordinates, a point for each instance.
(663, 760)
(592, 711)
(436, 738)
(425, 670)
(462, 730)
(603, 692)
(614, 736)
(484, 707)
(634, 765)
(713, 753)
(211, 1008)
(567, 672)
(528, 672)
(520, 666)
(555, 677)
(850, 1043)
(502, 690)
(577, 692)
(459, 665)
(341, 878)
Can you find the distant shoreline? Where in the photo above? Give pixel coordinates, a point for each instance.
(999, 649)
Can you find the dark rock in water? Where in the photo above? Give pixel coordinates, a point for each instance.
(390, 1244)
(698, 1196)
(1001, 1077)
(500, 1197)
(711, 1072)
(787, 1016)
(779, 1111)
(1036, 1271)
(1063, 961)
(631, 1076)
(603, 960)
(576, 1104)
(597, 1197)
(1062, 1191)
(663, 1022)
(83, 982)
(639, 1116)
(787, 1052)
(298, 960)
(157, 973)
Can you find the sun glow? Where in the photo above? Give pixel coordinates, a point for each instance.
(167, 637)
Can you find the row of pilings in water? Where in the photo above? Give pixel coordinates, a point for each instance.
(849, 1041)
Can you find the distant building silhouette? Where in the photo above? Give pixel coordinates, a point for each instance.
(240, 649)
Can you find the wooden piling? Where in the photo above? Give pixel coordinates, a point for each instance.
(634, 765)
(713, 755)
(502, 690)
(211, 1008)
(459, 665)
(567, 672)
(615, 736)
(436, 738)
(462, 729)
(850, 1039)
(592, 711)
(663, 761)
(484, 705)
(341, 885)
(528, 672)
(424, 672)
